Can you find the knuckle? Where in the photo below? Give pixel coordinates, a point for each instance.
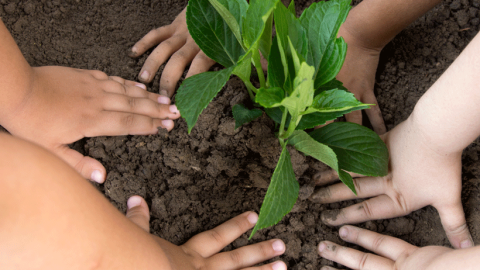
(456, 229)
(236, 257)
(216, 236)
(377, 243)
(357, 185)
(366, 208)
(364, 260)
(131, 102)
(128, 120)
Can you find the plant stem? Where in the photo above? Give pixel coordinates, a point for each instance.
(258, 66)
(251, 89)
(284, 120)
(291, 127)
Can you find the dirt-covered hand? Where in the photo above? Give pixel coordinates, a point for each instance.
(420, 175)
(358, 76)
(392, 253)
(202, 250)
(173, 40)
(65, 105)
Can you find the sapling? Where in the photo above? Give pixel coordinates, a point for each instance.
(299, 91)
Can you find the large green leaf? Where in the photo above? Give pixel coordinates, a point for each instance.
(211, 33)
(196, 92)
(358, 149)
(255, 20)
(332, 62)
(270, 97)
(291, 7)
(288, 26)
(310, 147)
(243, 115)
(333, 101)
(265, 42)
(276, 72)
(225, 9)
(322, 21)
(281, 195)
(243, 69)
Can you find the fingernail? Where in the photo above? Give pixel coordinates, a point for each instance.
(322, 247)
(97, 176)
(133, 51)
(163, 93)
(252, 218)
(168, 124)
(173, 109)
(144, 75)
(163, 100)
(343, 232)
(278, 245)
(279, 266)
(466, 244)
(134, 201)
(141, 85)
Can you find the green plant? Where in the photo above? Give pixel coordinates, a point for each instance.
(299, 92)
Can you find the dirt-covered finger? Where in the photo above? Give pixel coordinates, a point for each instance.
(201, 63)
(380, 207)
(159, 56)
(366, 187)
(151, 39)
(278, 265)
(248, 255)
(110, 123)
(176, 66)
(383, 245)
(140, 106)
(353, 258)
(329, 176)
(211, 242)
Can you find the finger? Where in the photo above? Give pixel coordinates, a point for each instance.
(212, 241)
(88, 167)
(118, 124)
(278, 265)
(380, 207)
(175, 67)
(329, 176)
(132, 89)
(201, 63)
(386, 246)
(97, 74)
(247, 256)
(352, 258)
(127, 82)
(141, 106)
(151, 39)
(328, 268)
(138, 212)
(455, 225)
(366, 187)
(374, 114)
(354, 117)
(159, 56)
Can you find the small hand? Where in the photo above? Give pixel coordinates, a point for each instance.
(174, 40)
(202, 251)
(358, 76)
(419, 176)
(65, 105)
(392, 253)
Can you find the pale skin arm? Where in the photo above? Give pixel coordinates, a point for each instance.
(394, 253)
(47, 222)
(425, 156)
(56, 106)
(368, 28)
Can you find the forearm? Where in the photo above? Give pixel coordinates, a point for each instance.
(376, 22)
(16, 75)
(53, 218)
(447, 114)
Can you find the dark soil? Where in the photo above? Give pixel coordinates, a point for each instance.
(195, 182)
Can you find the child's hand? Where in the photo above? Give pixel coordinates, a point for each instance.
(202, 251)
(358, 76)
(420, 175)
(65, 105)
(174, 40)
(392, 253)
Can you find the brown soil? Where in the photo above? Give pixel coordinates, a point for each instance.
(195, 182)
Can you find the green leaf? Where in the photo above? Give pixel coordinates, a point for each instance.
(243, 115)
(265, 42)
(281, 195)
(333, 84)
(333, 101)
(302, 96)
(358, 149)
(196, 92)
(270, 97)
(288, 26)
(243, 69)
(257, 15)
(291, 7)
(211, 33)
(332, 62)
(322, 21)
(310, 147)
(276, 72)
(240, 7)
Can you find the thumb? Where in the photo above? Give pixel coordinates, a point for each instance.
(455, 225)
(88, 167)
(138, 212)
